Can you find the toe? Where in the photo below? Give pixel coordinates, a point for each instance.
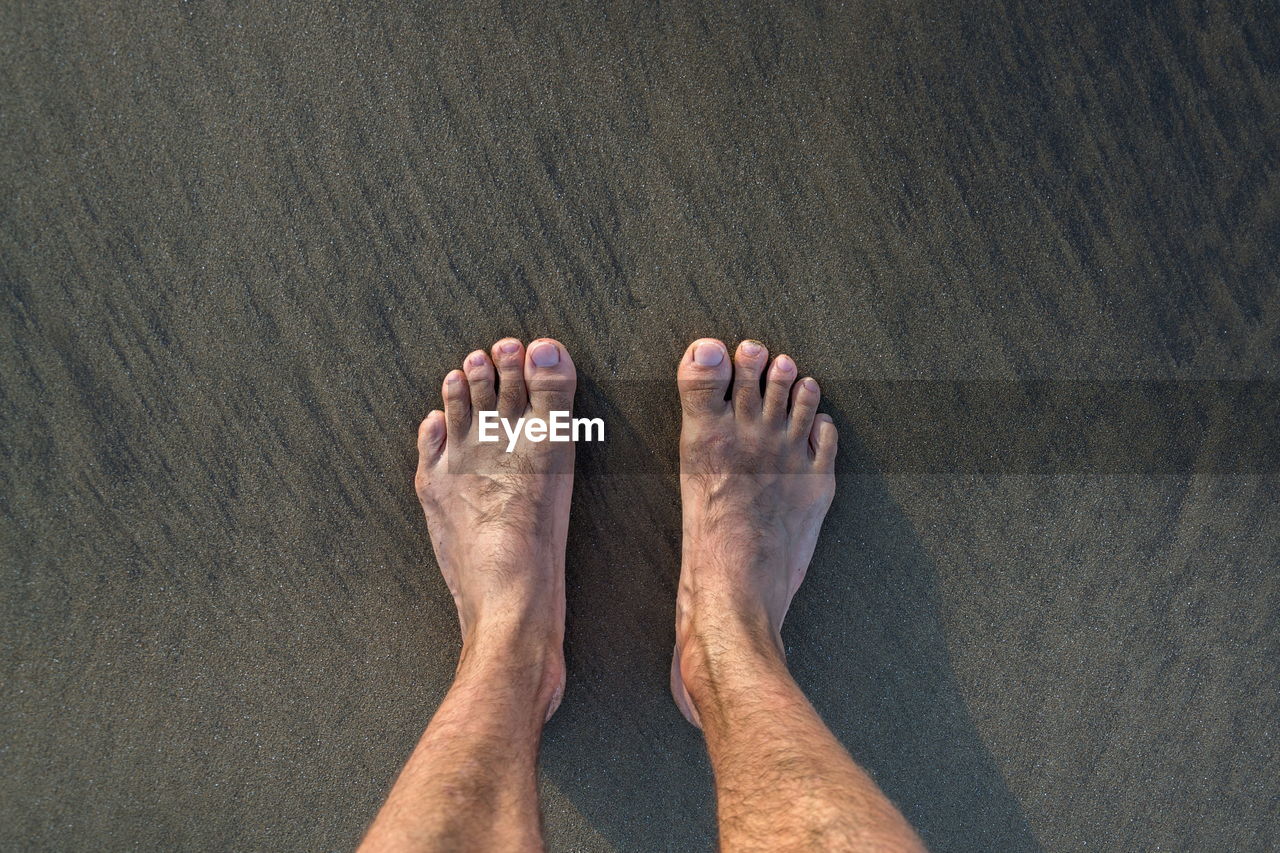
(804, 405)
(457, 405)
(431, 435)
(550, 377)
(508, 355)
(823, 439)
(782, 375)
(480, 379)
(748, 366)
(703, 377)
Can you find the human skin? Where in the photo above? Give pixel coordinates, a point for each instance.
(498, 523)
(757, 476)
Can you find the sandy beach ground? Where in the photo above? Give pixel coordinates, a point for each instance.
(1030, 251)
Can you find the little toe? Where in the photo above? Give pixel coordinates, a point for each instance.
(550, 377)
(457, 405)
(748, 365)
(703, 377)
(824, 438)
(431, 437)
(782, 375)
(804, 405)
(481, 380)
(508, 355)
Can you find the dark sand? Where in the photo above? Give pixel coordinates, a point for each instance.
(240, 243)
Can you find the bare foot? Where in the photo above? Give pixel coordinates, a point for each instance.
(757, 474)
(498, 520)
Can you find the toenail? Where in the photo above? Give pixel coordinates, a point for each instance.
(509, 346)
(810, 385)
(751, 348)
(785, 364)
(708, 355)
(545, 355)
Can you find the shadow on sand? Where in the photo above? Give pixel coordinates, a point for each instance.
(864, 642)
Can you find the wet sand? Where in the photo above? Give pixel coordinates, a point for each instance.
(240, 244)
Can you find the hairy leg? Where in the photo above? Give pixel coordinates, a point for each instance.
(757, 476)
(498, 524)
(471, 783)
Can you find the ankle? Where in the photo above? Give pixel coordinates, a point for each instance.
(526, 662)
(735, 648)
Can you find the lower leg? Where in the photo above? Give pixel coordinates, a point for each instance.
(498, 522)
(757, 474)
(782, 779)
(471, 781)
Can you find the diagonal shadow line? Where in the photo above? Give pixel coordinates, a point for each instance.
(866, 644)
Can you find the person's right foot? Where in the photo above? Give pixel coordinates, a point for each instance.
(757, 474)
(498, 519)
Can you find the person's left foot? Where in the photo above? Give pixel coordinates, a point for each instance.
(498, 519)
(757, 474)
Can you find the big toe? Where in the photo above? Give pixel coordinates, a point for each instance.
(704, 376)
(550, 377)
